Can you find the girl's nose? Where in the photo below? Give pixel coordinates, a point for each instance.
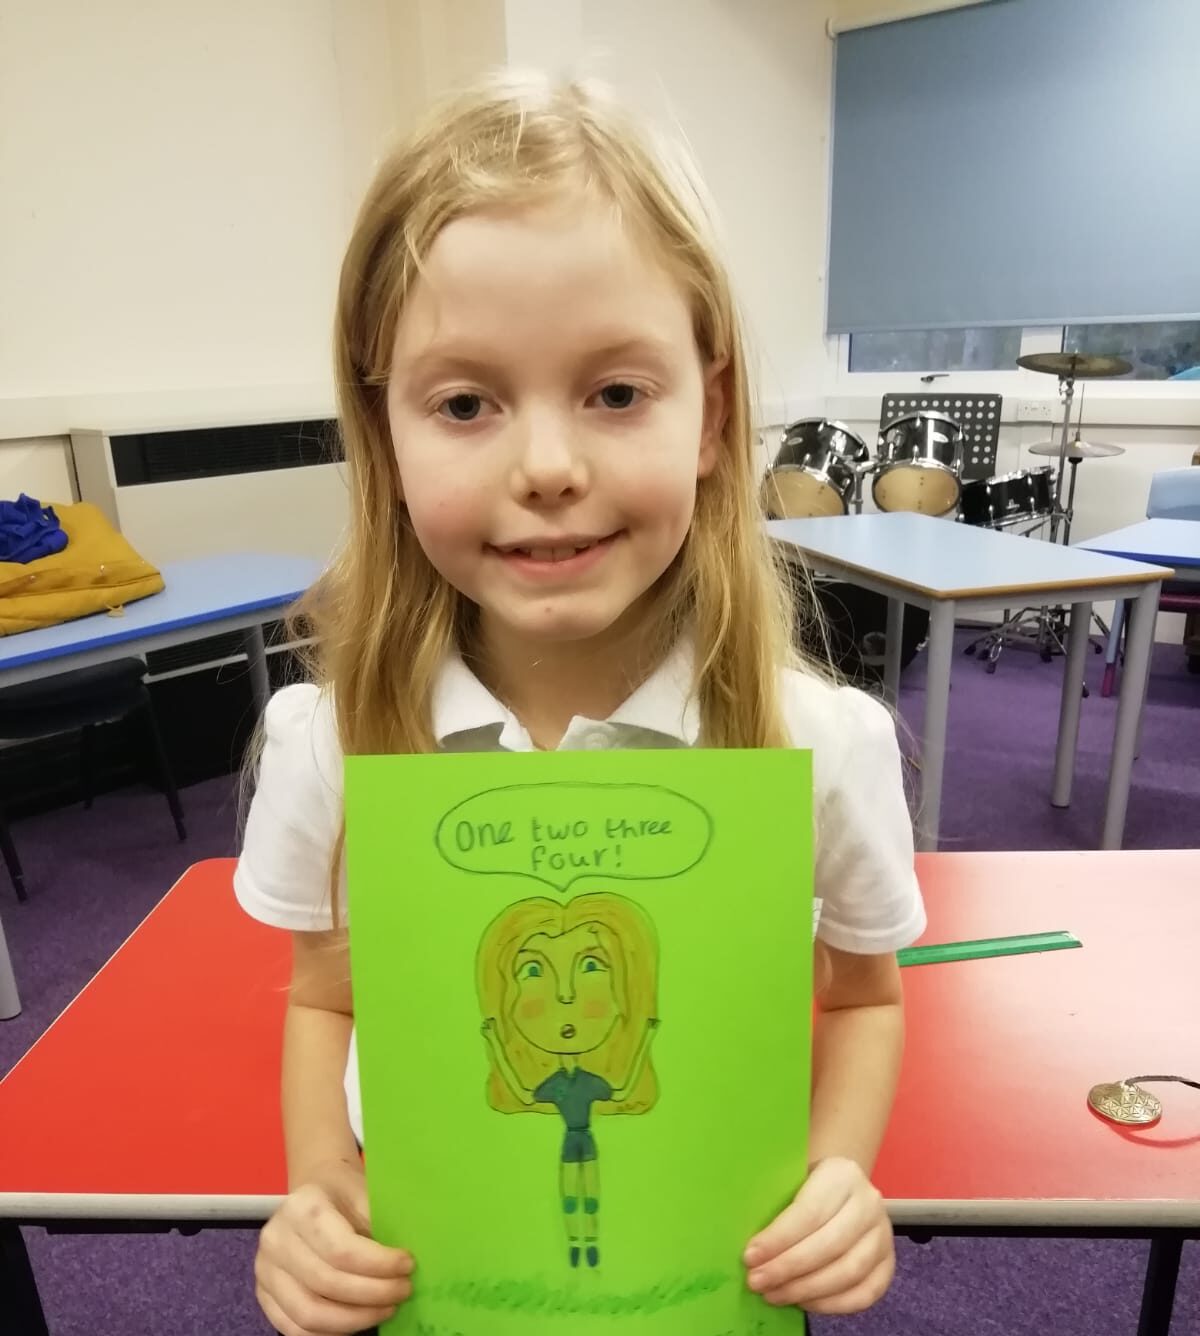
(550, 467)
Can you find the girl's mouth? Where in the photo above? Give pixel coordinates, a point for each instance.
(567, 1032)
(557, 561)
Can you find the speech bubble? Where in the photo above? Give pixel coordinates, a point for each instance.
(560, 833)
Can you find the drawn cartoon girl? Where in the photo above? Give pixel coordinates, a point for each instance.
(569, 998)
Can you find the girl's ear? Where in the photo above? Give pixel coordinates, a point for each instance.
(716, 413)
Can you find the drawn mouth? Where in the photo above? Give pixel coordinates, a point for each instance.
(567, 1032)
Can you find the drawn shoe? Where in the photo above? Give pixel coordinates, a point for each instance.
(574, 1256)
(593, 1256)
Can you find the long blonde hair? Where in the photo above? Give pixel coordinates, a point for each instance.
(628, 938)
(382, 617)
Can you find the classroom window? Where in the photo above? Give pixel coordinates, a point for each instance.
(993, 348)
(1159, 350)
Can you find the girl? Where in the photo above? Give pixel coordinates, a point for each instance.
(561, 986)
(555, 543)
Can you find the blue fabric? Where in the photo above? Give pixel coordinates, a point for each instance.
(29, 530)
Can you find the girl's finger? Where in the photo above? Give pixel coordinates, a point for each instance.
(818, 1201)
(832, 1240)
(346, 1287)
(313, 1316)
(847, 1286)
(335, 1240)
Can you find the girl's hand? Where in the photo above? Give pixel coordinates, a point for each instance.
(318, 1271)
(831, 1250)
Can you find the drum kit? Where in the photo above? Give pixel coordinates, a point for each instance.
(821, 467)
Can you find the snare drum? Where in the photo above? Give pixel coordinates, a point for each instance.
(1012, 498)
(814, 471)
(920, 464)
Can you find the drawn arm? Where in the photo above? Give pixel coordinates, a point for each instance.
(522, 1092)
(639, 1061)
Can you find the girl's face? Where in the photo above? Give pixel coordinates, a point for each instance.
(563, 999)
(551, 416)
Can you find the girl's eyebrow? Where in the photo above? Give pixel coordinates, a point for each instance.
(435, 362)
(439, 362)
(638, 349)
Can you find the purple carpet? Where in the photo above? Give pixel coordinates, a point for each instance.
(94, 875)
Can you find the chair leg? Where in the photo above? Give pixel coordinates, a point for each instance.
(87, 764)
(164, 769)
(11, 861)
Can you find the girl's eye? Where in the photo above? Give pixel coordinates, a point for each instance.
(461, 407)
(619, 395)
(592, 965)
(530, 970)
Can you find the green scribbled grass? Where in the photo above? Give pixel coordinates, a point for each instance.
(535, 1296)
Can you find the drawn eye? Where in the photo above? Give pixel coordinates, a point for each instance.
(592, 965)
(530, 970)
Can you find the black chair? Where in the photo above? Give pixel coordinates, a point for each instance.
(82, 699)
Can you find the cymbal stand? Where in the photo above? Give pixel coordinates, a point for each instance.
(1066, 391)
(1068, 515)
(1045, 627)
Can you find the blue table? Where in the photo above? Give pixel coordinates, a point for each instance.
(203, 597)
(1174, 543)
(950, 568)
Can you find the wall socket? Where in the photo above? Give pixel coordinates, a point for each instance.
(1036, 410)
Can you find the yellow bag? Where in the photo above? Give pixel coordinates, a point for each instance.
(97, 571)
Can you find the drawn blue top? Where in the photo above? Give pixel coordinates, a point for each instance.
(573, 1094)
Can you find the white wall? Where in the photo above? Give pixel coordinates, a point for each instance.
(166, 153)
(867, 13)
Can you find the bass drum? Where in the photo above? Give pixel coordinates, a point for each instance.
(815, 470)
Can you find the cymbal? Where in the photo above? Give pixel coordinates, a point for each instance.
(1078, 449)
(1081, 366)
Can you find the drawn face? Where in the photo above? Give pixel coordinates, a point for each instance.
(564, 1000)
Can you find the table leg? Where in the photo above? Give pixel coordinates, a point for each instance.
(1069, 709)
(1140, 639)
(1158, 1293)
(891, 668)
(937, 707)
(10, 999)
(256, 657)
(19, 1300)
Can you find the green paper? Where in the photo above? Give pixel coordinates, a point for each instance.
(938, 953)
(583, 997)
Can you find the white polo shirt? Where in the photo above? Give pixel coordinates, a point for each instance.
(867, 893)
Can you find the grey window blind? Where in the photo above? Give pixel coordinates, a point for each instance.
(1022, 162)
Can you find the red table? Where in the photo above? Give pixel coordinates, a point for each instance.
(153, 1098)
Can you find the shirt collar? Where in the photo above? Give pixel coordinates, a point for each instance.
(664, 703)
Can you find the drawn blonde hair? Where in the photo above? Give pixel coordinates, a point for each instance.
(382, 617)
(627, 936)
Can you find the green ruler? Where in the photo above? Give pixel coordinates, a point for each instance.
(937, 952)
